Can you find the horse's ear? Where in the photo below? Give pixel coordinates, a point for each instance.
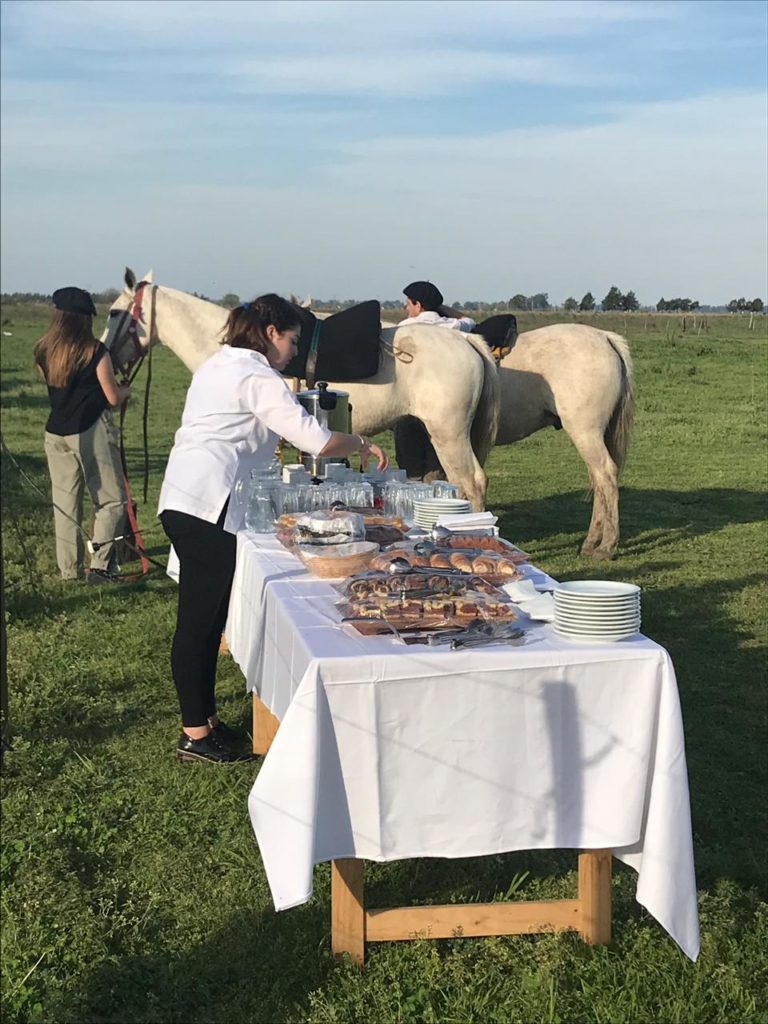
(147, 279)
(130, 279)
(307, 303)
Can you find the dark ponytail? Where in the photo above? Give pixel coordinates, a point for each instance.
(247, 325)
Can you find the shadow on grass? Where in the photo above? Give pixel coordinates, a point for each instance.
(232, 974)
(720, 670)
(650, 519)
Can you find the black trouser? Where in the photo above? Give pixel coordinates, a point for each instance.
(413, 449)
(207, 560)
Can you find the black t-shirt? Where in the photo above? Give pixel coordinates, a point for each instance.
(77, 406)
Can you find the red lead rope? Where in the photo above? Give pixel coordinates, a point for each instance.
(138, 541)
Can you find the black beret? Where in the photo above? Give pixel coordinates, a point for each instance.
(74, 300)
(425, 293)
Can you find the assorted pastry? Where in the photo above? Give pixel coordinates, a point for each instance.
(490, 564)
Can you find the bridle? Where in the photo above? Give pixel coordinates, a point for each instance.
(127, 329)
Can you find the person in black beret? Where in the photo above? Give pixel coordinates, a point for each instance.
(81, 443)
(424, 305)
(74, 300)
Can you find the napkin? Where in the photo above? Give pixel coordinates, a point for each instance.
(535, 605)
(468, 521)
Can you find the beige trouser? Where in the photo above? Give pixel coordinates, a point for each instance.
(77, 461)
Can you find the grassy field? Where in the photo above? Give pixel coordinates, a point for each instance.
(132, 886)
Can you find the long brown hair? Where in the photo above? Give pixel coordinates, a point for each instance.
(66, 347)
(247, 324)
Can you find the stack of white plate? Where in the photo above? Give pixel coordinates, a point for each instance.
(427, 512)
(597, 610)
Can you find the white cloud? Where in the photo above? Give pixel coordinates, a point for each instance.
(290, 23)
(668, 199)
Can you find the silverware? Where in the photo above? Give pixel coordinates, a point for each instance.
(400, 566)
(373, 618)
(513, 638)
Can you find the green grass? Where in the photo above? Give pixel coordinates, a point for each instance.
(132, 886)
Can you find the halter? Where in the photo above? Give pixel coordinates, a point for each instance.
(128, 328)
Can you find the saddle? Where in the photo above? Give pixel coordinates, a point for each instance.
(342, 348)
(500, 333)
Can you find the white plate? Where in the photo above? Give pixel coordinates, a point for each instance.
(566, 595)
(606, 604)
(625, 631)
(442, 502)
(596, 624)
(587, 638)
(568, 616)
(598, 588)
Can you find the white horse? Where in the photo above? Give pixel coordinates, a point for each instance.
(580, 378)
(447, 380)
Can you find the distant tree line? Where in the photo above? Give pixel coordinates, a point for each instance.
(677, 305)
(742, 305)
(614, 301)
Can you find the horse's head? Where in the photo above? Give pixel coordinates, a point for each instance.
(130, 328)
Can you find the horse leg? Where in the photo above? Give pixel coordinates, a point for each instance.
(603, 535)
(595, 532)
(461, 467)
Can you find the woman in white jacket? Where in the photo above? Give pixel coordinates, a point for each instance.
(237, 407)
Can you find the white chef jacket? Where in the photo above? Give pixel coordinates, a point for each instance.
(464, 323)
(237, 407)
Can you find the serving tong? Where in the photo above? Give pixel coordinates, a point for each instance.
(401, 566)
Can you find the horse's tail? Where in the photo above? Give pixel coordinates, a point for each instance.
(619, 429)
(485, 424)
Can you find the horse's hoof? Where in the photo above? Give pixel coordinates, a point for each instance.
(603, 554)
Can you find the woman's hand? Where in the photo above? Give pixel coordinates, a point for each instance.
(373, 451)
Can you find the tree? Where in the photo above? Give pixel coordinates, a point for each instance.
(613, 299)
(540, 300)
(756, 305)
(570, 305)
(661, 305)
(230, 300)
(733, 306)
(587, 303)
(629, 302)
(518, 302)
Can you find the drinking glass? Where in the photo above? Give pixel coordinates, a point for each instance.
(260, 510)
(443, 489)
(392, 491)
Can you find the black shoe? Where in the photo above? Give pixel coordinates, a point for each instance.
(228, 736)
(209, 748)
(101, 576)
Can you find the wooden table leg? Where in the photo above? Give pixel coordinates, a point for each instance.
(595, 896)
(347, 909)
(265, 726)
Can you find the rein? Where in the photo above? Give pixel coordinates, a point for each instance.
(128, 371)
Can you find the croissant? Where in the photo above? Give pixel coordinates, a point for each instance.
(459, 560)
(440, 561)
(507, 568)
(484, 565)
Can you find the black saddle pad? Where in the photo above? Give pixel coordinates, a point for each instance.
(347, 344)
(499, 331)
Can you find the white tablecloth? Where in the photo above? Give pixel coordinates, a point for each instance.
(386, 751)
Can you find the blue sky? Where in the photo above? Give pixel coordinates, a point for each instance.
(343, 148)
